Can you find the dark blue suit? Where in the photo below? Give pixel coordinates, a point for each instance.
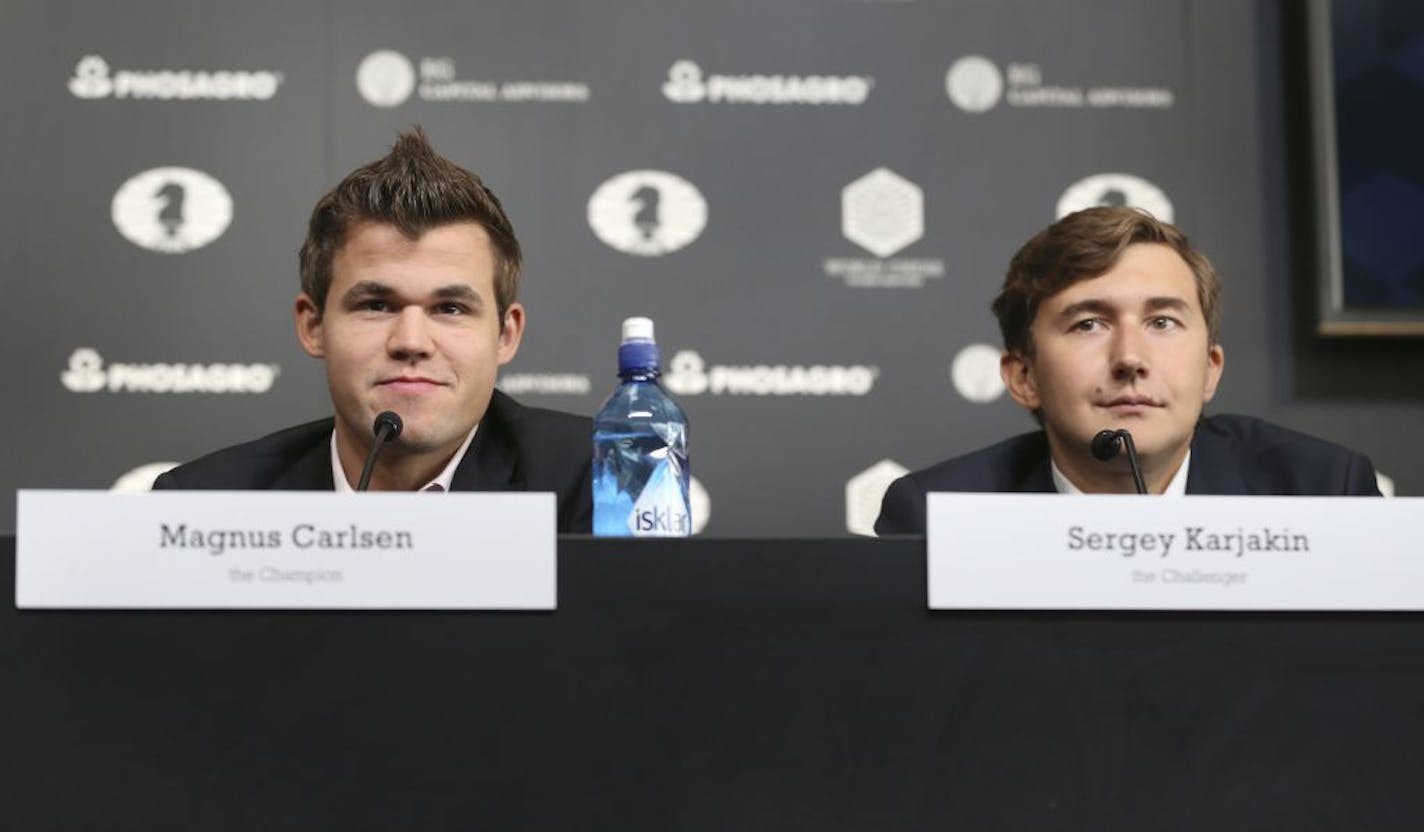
(1230, 455)
(517, 448)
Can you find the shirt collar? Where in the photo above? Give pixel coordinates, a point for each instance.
(1176, 488)
(440, 483)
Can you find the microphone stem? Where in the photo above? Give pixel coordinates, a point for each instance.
(370, 465)
(1132, 461)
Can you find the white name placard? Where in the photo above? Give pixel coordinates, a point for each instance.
(287, 550)
(1124, 552)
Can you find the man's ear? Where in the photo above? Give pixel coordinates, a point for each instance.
(1215, 364)
(510, 332)
(1017, 372)
(309, 326)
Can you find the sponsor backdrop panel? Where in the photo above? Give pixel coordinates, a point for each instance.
(169, 157)
(815, 201)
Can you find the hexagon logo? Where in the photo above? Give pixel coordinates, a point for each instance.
(864, 493)
(882, 212)
(141, 478)
(1385, 484)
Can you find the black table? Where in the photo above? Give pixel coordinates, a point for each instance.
(712, 685)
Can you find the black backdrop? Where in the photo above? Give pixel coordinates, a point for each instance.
(842, 149)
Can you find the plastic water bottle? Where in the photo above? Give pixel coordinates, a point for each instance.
(640, 471)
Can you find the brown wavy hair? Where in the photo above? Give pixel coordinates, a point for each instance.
(1084, 245)
(415, 189)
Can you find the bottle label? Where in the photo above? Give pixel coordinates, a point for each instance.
(661, 510)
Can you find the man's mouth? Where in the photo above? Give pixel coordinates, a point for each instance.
(409, 384)
(1131, 404)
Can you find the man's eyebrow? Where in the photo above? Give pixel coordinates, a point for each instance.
(459, 291)
(369, 288)
(1093, 305)
(377, 289)
(1097, 306)
(1167, 302)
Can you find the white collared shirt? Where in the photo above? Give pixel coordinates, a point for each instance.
(440, 483)
(1176, 488)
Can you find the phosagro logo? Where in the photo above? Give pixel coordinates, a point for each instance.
(172, 210)
(686, 85)
(87, 374)
(647, 212)
(93, 79)
(1115, 189)
(689, 375)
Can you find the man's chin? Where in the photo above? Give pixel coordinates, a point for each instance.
(417, 440)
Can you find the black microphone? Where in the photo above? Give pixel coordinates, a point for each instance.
(1105, 446)
(388, 426)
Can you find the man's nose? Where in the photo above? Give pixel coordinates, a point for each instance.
(409, 337)
(1129, 354)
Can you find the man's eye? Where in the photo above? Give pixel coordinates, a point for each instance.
(1087, 325)
(1163, 322)
(374, 305)
(451, 309)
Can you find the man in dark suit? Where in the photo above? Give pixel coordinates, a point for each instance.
(1110, 321)
(409, 275)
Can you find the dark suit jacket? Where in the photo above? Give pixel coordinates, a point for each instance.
(1230, 455)
(517, 448)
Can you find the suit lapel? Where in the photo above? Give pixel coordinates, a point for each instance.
(1035, 474)
(491, 464)
(1215, 468)
(311, 471)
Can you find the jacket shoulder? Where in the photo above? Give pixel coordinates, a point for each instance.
(250, 466)
(1277, 460)
(1018, 464)
(1002, 467)
(553, 451)
(548, 440)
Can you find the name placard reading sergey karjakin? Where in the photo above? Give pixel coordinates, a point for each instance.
(1236, 542)
(301, 536)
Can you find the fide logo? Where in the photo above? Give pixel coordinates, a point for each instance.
(385, 78)
(172, 210)
(974, 84)
(647, 213)
(1103, 189)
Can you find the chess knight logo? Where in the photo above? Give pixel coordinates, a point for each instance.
(172, 210)
(647, 213)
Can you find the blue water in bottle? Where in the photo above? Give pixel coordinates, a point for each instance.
(640, 470)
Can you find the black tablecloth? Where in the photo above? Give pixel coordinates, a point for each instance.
(712, 685)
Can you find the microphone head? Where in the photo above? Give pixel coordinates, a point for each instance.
(1106, 444)
(390, 421)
